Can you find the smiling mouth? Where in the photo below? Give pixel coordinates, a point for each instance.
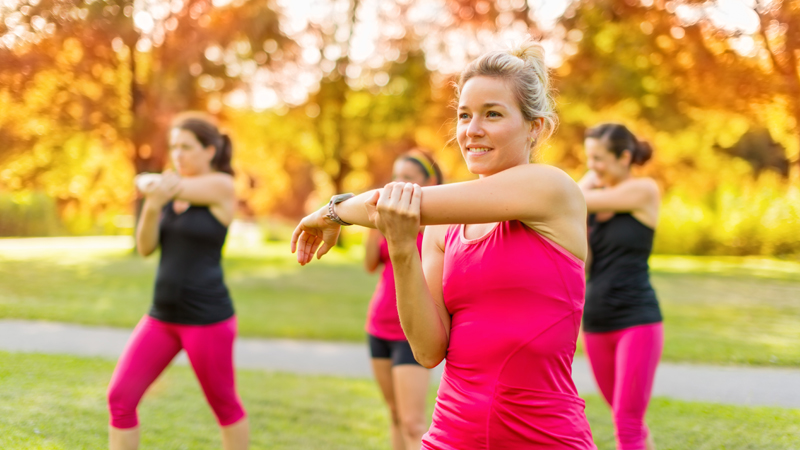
(478, 149)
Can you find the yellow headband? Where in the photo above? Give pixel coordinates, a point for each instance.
(426, 165)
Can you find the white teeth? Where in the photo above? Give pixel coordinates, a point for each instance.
(478, 150)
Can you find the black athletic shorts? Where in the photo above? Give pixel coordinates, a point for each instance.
(398, 351)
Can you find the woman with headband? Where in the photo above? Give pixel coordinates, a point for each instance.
(402, 380)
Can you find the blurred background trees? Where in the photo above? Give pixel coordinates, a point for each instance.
(321, 95)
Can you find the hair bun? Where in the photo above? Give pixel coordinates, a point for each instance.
(529, 51)
(642, 153)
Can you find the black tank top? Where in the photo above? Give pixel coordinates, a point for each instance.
(189, 285)
(618, 293)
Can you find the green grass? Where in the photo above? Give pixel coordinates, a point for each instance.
(717, 310)
(58, 402)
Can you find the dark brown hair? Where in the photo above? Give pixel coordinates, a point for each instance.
(208, 134)
(618, 139)
(425, 162)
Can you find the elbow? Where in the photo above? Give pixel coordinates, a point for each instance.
(429, 362)
(143, 251)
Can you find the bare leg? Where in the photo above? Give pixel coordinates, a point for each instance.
(382, 368)
(236, 436)
(410, 391)
(650, 443)
(123, 439)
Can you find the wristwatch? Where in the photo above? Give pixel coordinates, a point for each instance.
(336, 199)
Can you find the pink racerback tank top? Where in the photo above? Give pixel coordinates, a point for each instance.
(516, 301)
(383, 320)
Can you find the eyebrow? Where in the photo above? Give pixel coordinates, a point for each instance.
(485, 105)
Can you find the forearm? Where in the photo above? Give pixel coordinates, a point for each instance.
(353, 210)
(419, 316)
(147, 229)
(372, 251)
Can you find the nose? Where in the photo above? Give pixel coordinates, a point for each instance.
(474, 129)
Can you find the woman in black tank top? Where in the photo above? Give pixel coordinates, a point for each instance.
(186, 213)
(623, 335)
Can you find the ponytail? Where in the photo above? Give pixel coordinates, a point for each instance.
(223, 155)
(618, 139)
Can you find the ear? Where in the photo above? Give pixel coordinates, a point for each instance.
(626, 158)
(536, 126)
(210, 152)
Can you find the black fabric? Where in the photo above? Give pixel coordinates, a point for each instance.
(618, 292)
(189, 287)
(398, 351)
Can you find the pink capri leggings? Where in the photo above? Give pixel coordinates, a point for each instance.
(152, 347)
(624, 365)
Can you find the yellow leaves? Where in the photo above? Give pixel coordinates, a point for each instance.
(606, 39)
(72, 52)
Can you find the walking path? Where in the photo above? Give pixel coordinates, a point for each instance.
(731, 385)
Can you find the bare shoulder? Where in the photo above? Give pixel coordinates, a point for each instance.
(219, 180)
(435, 236)
(646, 185)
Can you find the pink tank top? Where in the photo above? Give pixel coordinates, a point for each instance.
(383, 320)
(516, 301)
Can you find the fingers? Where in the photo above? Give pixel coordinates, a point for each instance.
(416, 200)
(296, 236)
(323, 249)
(405, 197)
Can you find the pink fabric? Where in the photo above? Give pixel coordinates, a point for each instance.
(152, 347)
(624, 364)
(516, 302)
(383, 321)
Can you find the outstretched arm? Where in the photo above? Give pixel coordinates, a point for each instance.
(538, 195)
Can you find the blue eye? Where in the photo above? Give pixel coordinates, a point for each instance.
(493, 114)
(463, 116)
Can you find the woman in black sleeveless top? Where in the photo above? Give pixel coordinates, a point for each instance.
(187, 214)
(623, 334)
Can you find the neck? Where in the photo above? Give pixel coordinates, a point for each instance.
(619, 180)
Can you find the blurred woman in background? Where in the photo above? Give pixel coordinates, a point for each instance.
(402, 380)
(623, 333)
(187, 214)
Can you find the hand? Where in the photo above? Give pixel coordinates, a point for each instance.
(165, 190)
(145, 182)
(590, 181)
(315, 233)
(396, 213)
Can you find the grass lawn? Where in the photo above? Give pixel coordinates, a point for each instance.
(717, 310)
(57, 402)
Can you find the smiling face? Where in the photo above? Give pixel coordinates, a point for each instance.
(188, 155)
(609, 168)
(491, 132)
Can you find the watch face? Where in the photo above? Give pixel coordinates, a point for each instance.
(341, 197)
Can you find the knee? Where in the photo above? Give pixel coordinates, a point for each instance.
(412, 427)
(122, 407)
(228, 411)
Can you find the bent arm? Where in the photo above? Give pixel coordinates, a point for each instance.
(147, 228)
(629, 196)
(423, 315)
(372, 254)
